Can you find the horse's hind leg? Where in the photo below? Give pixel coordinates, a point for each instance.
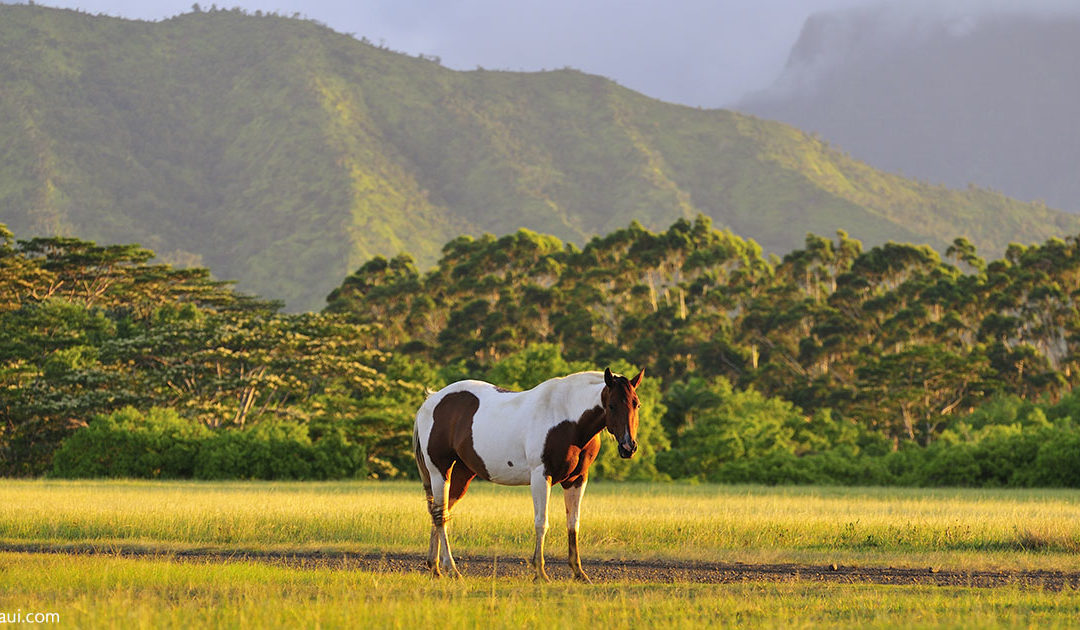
(439, 547)
(435, 509)
(428, 474)
(459, 477)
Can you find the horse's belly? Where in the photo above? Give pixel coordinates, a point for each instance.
(509, 476)
(505, 466)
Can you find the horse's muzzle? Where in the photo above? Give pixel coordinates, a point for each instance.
(626, 451)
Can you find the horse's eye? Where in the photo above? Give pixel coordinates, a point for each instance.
(611, 406)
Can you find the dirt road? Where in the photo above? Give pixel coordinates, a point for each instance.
(606, 571)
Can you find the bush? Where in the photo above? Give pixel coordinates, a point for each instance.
(722, 426)
(161, 444)
(279, 450)
(1006, 455)
(127, 443)
(949, 465)
(831, 468)
(1057, 464)
(270, 450)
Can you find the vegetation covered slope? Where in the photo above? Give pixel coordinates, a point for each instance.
(283, 155)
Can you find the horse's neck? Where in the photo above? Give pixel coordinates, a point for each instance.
(582, 386)
(576, 392)
(589, 424)
(586, 410)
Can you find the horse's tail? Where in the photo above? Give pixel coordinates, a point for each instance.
(418, 454)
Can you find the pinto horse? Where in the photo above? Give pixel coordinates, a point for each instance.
(548, 434)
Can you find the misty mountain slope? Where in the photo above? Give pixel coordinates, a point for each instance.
(282, 154)
(988, 100)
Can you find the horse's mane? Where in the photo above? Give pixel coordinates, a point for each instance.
(577, 379)
(592, 376)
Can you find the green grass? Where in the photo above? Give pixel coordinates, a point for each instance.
(968, 529)
(109, 592)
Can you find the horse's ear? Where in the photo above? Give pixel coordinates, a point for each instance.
(634, 382)
(609, 378)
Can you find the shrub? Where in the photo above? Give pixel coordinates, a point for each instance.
(128, 443)
(269, 450)
(161, 444)
(1057, 463)
(949, 465)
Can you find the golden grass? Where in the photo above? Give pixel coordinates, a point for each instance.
(1007, 529)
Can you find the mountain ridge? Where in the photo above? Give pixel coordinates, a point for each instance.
(282, 154)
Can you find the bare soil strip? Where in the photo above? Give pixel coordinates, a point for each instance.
(642, 571)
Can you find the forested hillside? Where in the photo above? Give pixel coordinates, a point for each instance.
(283, 155)
(836, 364)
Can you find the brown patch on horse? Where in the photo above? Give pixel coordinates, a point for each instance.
(570, 447)
(576, 482)
(451, 438)
(460, 477)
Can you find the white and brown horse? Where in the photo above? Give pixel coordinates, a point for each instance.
(549, 434)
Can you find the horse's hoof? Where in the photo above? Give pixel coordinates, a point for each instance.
(581, 577)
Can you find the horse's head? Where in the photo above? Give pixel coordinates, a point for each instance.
(621, 404)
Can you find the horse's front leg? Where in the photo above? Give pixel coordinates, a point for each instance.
(572, 496)
(540, 484)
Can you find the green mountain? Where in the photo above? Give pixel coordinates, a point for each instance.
(282, 154)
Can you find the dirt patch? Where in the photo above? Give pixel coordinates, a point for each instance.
(642, 571)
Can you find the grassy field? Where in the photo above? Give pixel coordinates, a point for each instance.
(868, 527)
(985, 529)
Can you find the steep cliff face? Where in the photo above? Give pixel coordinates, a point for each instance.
(987, 99)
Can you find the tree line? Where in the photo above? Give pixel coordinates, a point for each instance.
(831, 364)
(895, 338)
(93, 330)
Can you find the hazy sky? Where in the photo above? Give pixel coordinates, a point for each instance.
(697, 52)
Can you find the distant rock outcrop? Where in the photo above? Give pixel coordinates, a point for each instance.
(988, 99)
